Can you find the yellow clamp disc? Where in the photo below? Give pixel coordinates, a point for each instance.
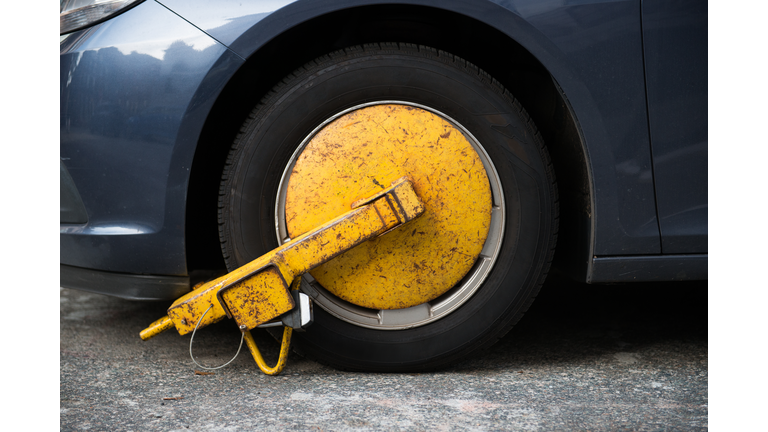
(362, 152)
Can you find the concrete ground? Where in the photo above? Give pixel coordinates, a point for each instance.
(599, 358)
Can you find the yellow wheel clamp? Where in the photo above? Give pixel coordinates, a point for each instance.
(261, 291)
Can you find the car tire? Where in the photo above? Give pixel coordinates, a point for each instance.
(455, 89)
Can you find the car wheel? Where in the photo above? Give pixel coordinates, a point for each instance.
(334, 131)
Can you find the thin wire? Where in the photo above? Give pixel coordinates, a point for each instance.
(193, 338)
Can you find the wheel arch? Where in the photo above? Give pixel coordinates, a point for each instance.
(456, 31)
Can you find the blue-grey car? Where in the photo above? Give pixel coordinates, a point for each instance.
(183, 123)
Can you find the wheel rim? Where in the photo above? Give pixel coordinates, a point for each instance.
(429, 311)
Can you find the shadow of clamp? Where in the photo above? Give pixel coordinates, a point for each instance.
(264, 292)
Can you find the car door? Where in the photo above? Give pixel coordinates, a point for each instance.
(675, 48)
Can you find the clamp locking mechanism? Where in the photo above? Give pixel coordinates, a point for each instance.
(264, 292)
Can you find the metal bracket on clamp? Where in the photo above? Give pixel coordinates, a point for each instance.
(258, 294)
(301, 317)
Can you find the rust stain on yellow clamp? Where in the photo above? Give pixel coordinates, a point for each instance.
(285, 346)
(356, 155)
(259, 291)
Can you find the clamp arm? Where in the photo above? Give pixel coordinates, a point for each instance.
(258, 292)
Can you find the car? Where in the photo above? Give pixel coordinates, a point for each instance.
(198, 135)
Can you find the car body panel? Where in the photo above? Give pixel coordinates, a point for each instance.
(607, 95)
(173, 59)
(676, 67)
(132, 172)
(225, 20)
(649, 268)
(604, 83)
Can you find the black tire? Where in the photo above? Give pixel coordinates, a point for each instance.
(428, 77)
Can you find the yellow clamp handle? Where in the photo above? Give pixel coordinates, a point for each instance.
(284, 348)
(257, 292)
(157, 327)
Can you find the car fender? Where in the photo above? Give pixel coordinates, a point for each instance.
(592, 50)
